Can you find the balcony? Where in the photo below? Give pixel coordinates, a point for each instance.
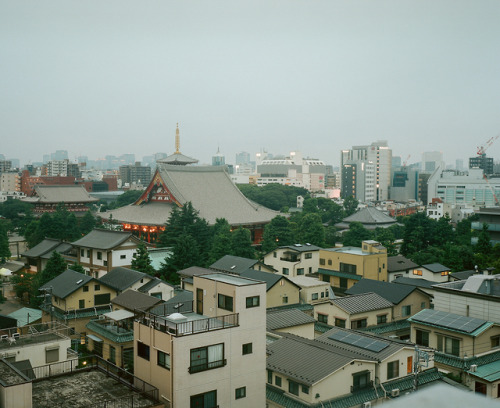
(359, 387)
(118, 333)
(207, 366)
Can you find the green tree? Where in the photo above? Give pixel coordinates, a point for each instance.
(350, 205)
(483, 246)
(55, 266)
(78, 268)
(277, 233)
(4, 243)
(386, 237)
(221, 244)
(273, 196)
(141, 261)
(311, 230)
(33, 234)
(185, 254)
(356, 234)
(22, 285)
(87, 223)
(417, 233)
(241, 242)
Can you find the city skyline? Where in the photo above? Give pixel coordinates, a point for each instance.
(317, 77)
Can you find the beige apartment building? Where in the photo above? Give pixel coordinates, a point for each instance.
(214, 355)
(343, 267)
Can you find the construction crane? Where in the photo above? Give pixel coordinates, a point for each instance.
(406, 160)
(481, 150)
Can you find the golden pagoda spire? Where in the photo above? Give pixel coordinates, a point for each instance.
(177, 139)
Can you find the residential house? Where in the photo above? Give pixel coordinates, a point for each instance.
(312, 290)
(222, 338)
(355, 311)
(399, 266)
(407, 300)
(423, 284)
(485, 379)
(433, 272)
(73, 299)
(292, 321)
(294, 260)
(100, 251)
(38, 256)
(343, 267)
(238, 264)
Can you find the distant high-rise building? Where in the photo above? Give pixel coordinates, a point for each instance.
(218, 159)
(60, 155)
(135, 174)
(159, 156)
(459, 164)
(242, 158)
(431, 161)
(128, 158)
(5, 165)
(482, 162)
(396, 161)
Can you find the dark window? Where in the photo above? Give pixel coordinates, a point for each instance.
(358, 324)
(274, 254)
(305, 389)
(349, 268)
(205, 400)
(163, 359)
(381, 319)
(123, 256)
(247, 348)
(314, 296)
(321, 261)
(285, 299)
(322, 318)
(329, 262)
(308, 255)
(82, 252)
(495, 342)
(112, 354)
(98, 345)
(143, 350)
(285, 271)
(99, 255)
(277, 381)
(340, 323)
(97, 287)
(393, 369)
(406, 310)
(325, 278)
(102, 299)
(85, 288)
(448, 345)
(422, 338)
(226, 302)
(293, 387)
(360, 380)
(269, 377)
(300, 271)
(81, 303)
(206, 358)
(240, 392)
(253, 301)
(343, 283)
(88, 253)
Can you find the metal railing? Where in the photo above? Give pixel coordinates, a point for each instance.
(207, 366)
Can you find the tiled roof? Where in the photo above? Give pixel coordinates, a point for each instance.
(470, 326)
(233, 264)
(321, 327)
(399, 263)
(389, 327)
(489, 372)
(178, 158)
(462, 275)
(393, 292)
(104, 239)
(195, 271)
(48, 244)
(370, 217)
(339, 274)
(152, 283)
(300, 306)
(269, 278)
(465, 363)
(364, 302)
(62, 248)
(279, 319)
(63, 194)
(301, 247)
(436, 267)
(417, 282)
(121, 278)
(133, 300)
(66, 283)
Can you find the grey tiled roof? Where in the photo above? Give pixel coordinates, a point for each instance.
(63, 194)
(195, 271)
(151, 284)
(364, 302)
(436, 267)
(66, 283)
(271, 279)
(399, 263)
(48, 244)
(233, 264)
(62, 248)
(391, 291)
(418, 282)
(370, 217)
(104, 239)
(462, 275)
(307, 361)
(279, 319)
(389, 327)
(178, 159)
(133, 300)
(121, 278)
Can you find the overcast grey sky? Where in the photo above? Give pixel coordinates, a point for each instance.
(101, 77)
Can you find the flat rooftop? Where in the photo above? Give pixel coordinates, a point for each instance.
(30, 340)
(350, 250)
(84, 389)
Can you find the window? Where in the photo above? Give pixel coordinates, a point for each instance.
(322, 318)
(86, 288)
(206, 358)
(240, 392)
(448, 345)
(340, 322)
(321, 261)
(102, 299)
(99, 255)
(423, 305)
(358, 324)
(349, 268)
(275, 254)
(360, 380)
(495, 342)
(325, 278)
(305, 389)
(422, 338)
(82, 252)
(98, 346)
(81, 303)
(406, 310)
(393, 369)
(97, 287)
(285, 299)
(330, 262)
(123, 256)
(293, 387)
(253, 301)
(226, 302)
(247, 348)
(277, 381)
(308, 255)
(343, 283)
(300, 271)
(163, 360)
(88, 253)
(382, 319)
(269, 377)
(51, 354)
(314, 296)
(417, 272)
(285, 271)
(445, 273)
(143, 350)
(112, 354)
(205, 400)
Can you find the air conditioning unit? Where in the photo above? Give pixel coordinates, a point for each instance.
(473, 368)
(367, 404)
(395, 392)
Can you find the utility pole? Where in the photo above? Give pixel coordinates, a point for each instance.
(421, 358)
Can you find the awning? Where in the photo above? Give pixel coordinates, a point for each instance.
(118, 315)
(95, 338)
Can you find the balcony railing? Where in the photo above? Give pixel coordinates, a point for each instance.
(360, 387)
(207, 366)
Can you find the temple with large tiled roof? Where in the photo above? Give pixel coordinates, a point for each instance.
(208, 188)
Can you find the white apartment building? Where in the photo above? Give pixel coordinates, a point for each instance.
(10, 181)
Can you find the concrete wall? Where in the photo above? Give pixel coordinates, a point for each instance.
(333, 311)
(16, 396)
(417, 300)
(460, 303)
(288, 290)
